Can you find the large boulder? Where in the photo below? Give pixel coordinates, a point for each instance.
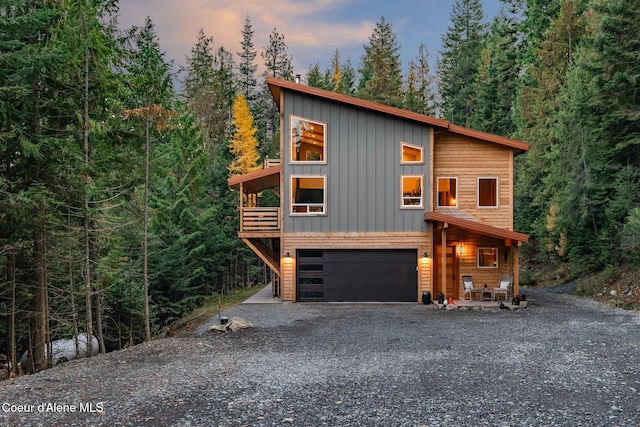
(232, 325)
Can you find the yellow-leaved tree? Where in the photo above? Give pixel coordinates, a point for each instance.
(244, 144)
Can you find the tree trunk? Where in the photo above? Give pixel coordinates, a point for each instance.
(87, 224)
(11, 327)
(99, 323)
(72, 287)
(145, 249)
(38, 328)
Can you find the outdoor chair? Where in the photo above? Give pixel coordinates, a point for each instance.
(504, 288)
(469, 288)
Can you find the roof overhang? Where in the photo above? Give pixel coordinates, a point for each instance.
(476, 227)
(260, 180)
(277, 85)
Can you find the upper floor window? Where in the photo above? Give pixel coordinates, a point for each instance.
(411, 154)
(447, 192)
(308, 141)
(412, 191)
(488, 192)
(308, 195)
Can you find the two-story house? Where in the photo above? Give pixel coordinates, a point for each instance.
(379, 203)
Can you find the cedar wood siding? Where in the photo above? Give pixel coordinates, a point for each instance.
(363, 168)
(467, 159)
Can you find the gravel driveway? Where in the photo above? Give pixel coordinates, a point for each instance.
(564, 361)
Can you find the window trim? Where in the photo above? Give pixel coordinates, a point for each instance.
(495, 178)
(402, 196)
(437, 192)
(291, 198)
(292, 159)
(495, 265)
(415, 147)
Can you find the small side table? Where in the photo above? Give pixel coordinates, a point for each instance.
(486, 294)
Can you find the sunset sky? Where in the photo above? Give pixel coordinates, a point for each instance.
(313, 29)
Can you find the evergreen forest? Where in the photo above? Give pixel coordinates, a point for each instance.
(115, 214)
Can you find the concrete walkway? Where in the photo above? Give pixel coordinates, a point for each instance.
(263, 296)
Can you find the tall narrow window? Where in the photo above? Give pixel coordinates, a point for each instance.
(308, 195)
(410, 154)
(308, 141)
(412, 191)
(447, 192)
(488, 192)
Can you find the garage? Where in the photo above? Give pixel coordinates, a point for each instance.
(372, 275)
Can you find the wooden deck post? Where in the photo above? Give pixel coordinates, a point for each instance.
(516, 271)
(443, 273)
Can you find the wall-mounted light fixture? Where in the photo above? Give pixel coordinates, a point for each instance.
(425, 255)
(461, 249)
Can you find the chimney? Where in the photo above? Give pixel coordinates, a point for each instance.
(298, 78)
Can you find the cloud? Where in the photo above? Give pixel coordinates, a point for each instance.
(312, 31)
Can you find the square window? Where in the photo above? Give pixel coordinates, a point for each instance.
(487, 257)
(447, 192)
(411, 154)
(488, 192)
(308, 141)
(412, 191)
(308, 195)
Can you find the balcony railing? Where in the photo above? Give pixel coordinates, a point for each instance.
(260, 219)
(270, 163)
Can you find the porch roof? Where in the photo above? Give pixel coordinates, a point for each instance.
(476, 227)
(257, 181)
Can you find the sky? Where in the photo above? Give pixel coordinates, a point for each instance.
(313, 29)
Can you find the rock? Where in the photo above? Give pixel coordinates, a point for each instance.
(613, 292)
(234, 324)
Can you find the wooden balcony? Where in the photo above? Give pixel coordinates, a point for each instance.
(260, 221)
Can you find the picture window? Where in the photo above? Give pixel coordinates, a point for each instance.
(308, 141)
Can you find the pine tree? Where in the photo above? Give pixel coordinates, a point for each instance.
(459, 61)
(317, 79)
(276, 58)
(278, 63)
(419, 92)
(599, 124)
(380, 72)
(152, 91)
(335, 72)
(542, 185)
(496, 83)
(348, 76)
(243, 145)
(247, 67)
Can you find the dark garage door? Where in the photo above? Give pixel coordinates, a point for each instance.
(357, 275)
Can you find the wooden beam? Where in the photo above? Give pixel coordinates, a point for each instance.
(265, 254)
(516, 271)
(443, 273)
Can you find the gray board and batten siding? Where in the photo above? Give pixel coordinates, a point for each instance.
(363, 168)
